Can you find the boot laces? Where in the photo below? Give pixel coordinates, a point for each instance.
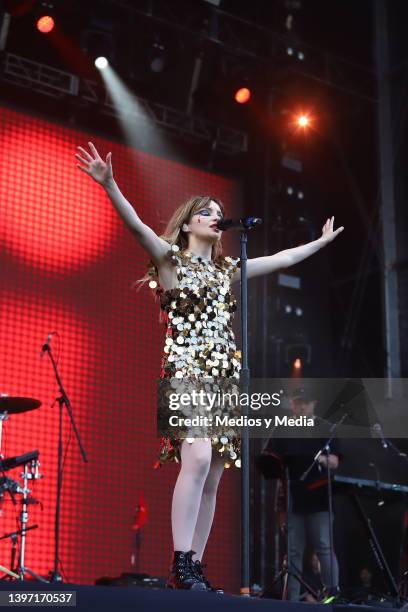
(199, 569)
(200, 566)
(183, 569)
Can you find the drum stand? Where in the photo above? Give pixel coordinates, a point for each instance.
(27, 475)
(4, 417)
(14, 405)
(9, 573)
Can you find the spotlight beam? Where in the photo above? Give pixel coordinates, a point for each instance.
(4, 30)
(137, 126)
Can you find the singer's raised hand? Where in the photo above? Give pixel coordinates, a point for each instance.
(289, 257)
(93, 164)
(101, 171)
(328, 231)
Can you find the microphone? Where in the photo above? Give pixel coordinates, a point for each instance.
(242, 223)
(378, 433)
(46, 344)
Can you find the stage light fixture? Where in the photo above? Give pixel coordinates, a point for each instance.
(98, 43)
(303, 121)
(298, 354)
(242, 95)
(45, 17)
(296, 54)
(101, 62)
(157, 56)
(292, 191)
(239, 78)
(45, 24)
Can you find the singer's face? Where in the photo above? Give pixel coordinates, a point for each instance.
(302, 408)
(203, 223)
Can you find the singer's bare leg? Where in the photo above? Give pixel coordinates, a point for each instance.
(207, 506)
(195, 466)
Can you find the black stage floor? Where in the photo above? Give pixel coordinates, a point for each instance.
(137, 599)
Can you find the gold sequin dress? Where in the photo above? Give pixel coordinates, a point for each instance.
(199, 340)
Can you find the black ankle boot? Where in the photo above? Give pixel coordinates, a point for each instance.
(182, 574)
(198, 570)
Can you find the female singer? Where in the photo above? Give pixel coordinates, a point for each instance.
(193, 280)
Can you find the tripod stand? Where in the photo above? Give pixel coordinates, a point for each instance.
(27, 475)
(63, 400)
(288, 569)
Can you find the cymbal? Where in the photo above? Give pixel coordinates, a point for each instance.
(14, 405)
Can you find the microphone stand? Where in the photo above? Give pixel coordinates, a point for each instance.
(394, 448)
(55, 575)
(246, 224)
(326, 450)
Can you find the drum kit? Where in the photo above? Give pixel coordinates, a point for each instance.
(29, 461)
(30, 465)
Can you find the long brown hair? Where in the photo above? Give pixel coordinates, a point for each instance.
(173, 234)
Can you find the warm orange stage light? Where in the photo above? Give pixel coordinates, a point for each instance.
(297, 364)
(45, 24)
(242, 95)
(303, 121)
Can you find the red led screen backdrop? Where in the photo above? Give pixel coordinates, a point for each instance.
(67, 265)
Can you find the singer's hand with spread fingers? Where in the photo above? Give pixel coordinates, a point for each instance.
(94, 165)
(328, 233)
(333, 461)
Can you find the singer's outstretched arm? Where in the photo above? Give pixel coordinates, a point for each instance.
(100, 170)
(284, 259)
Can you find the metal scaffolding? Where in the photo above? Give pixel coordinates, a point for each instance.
(56, 83)
(249, 40)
